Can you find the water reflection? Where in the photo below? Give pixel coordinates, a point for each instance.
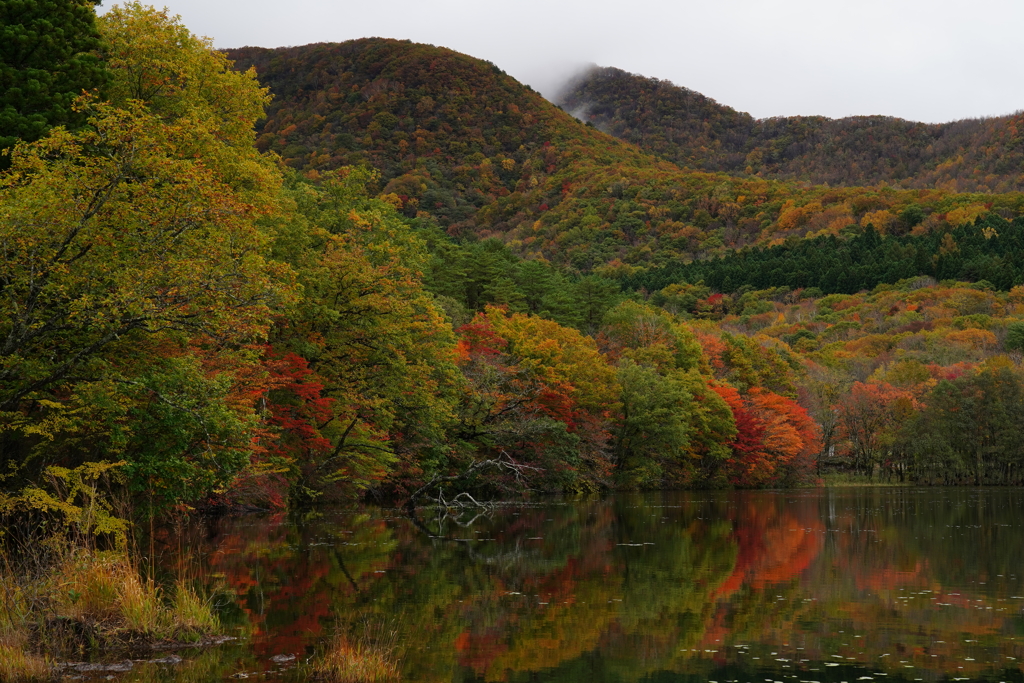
(831, 585)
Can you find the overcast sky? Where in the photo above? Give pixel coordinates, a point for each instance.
(926, 60)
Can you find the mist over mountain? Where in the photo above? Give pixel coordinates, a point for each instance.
(694, 131)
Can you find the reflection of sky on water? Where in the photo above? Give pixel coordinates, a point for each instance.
(833, 585)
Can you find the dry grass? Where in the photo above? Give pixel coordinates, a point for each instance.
(19, 666)
(106, 589)
(191, 613)
(89, 600)
(368, 659)
(14, 606)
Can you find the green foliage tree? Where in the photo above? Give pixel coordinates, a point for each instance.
(970, 429)
(136, 288)
(209, 107)
(1015, 336)
(48, 56)
(672, 427)
(374, 337)
(653, 432)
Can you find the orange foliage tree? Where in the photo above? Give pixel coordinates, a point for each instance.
(539, 392)
(776, 439)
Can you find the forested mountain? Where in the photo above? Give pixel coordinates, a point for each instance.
(694, 131)
(458, 141)
(384, 270)
(505, 299)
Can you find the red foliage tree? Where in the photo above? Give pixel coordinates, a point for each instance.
(776, 438)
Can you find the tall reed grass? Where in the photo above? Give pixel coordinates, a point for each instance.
(367, 658)
(89, 599)
(107, 590)
(20, 666)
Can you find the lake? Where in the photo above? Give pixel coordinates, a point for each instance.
(841, 584)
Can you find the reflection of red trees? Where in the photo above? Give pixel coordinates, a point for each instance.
(294, 586)
(773, 546)
(478, 650)
(269, 578)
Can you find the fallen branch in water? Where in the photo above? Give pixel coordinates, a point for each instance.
(503, 463)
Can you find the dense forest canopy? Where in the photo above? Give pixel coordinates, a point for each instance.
(694, 131)
(458, 141)
(383, 268)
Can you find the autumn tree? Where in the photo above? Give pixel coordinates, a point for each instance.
(825, 388)
(651, 336)
(136, 286)
(376, 343)
(672, 428)
(791, 438)
(871, 417)
(538, 393)
(209, 108)
(775, 441)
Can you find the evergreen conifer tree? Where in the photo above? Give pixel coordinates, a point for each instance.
(48, 56)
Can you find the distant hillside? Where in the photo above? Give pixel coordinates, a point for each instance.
(694, 131)
(458, 141)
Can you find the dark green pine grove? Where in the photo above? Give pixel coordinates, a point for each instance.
(48, 57)
(990, 250)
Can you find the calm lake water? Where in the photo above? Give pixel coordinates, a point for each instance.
(811, 585)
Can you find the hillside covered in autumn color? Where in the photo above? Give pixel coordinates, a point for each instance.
(694, 131)
(384, 271)
(460, 142)
(382, 268)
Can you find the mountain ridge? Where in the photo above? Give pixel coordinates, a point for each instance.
(459, 142)
(695, 131)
